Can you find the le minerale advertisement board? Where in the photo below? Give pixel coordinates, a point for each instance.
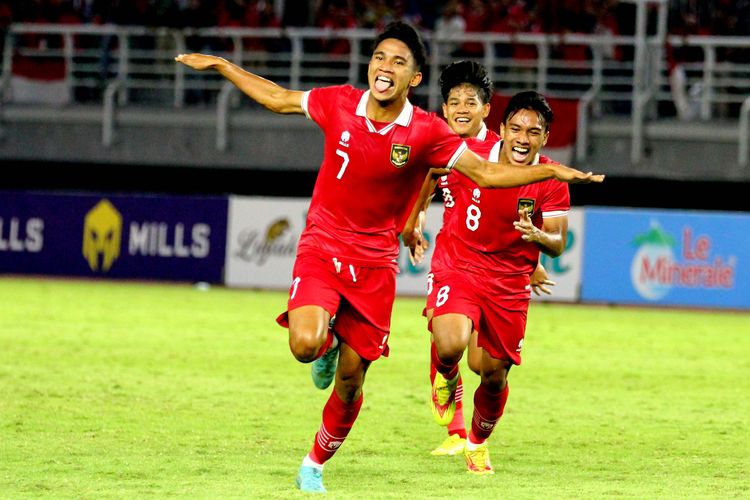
(113, 236)
(667, 257)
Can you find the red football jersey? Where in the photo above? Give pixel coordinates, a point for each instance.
(449, 188)
(480, 235)
(370, 175)
(448, 183)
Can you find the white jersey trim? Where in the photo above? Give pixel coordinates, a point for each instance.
(495, 152)
(403, 119)
(554, 213)
(452, 162)
(304, 104)
(482, 134)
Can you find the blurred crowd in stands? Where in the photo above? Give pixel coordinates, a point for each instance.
(606, 17)
(715, 17)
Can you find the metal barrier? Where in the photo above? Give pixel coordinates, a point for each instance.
(139, 62)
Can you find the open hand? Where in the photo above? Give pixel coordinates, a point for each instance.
(415, 241)
(573, 176)
(198, 61)
(529, 232)
(540, 281)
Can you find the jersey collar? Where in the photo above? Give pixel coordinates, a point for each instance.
(482, 134)
(403, 119)
(495, 153)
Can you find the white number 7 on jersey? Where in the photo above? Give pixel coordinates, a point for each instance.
(344, 163)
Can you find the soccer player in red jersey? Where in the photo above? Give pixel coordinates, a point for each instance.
(378, 150)
(466, 90)
(490, 247)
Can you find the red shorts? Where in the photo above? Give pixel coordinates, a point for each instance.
(361, 298)
(439, 264)
(497, 306)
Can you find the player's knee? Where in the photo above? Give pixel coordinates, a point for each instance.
(449, 350)
(495, 380)
(304, 344)
(348, 385)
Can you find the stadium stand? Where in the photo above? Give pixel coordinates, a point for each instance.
(87, 85)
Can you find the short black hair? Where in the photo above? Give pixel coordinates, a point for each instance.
(470, 72)
(407, 34)
(529, 99)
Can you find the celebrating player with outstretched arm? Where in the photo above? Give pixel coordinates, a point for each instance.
(378, 149)
(466, 90)
(486, 253)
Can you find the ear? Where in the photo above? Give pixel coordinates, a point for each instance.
(486, 110)
(502, 131)
(546, 136)
(445, 111)
(416, 79)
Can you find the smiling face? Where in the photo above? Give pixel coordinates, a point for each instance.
(392, 72)
(524, 134)
(465, 111)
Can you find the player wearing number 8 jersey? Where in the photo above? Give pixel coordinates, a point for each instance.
(491, 246)
(378, 148)
(466, 90)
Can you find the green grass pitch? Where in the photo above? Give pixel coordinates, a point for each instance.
(130, 390)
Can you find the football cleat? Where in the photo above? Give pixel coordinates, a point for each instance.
(478, 461)
(453, 444)
(443, 399)
(324, 368)
(310, 479)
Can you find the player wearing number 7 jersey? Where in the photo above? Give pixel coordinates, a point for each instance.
(491, 245)
(378, 149)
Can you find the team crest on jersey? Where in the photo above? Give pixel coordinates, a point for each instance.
(526, 204)
(399, 155)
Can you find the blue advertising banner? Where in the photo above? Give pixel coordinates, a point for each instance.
(113, 236)
(668, 257)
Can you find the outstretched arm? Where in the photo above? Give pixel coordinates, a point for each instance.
(489, 174)
(264, 92)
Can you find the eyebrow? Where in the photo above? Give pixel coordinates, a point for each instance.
(382, 53)
(519, 126)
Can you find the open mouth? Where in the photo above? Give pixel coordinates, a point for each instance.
(520, 154)
(383, 83)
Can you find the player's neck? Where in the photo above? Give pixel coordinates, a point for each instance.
(384, 112)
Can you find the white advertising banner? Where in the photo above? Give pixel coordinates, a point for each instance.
(262, 238)
(565, 270)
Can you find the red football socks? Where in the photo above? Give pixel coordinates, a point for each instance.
(488, 408)
(327, 344)
(338, 419)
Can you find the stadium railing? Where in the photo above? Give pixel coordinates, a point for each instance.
(113, 66)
